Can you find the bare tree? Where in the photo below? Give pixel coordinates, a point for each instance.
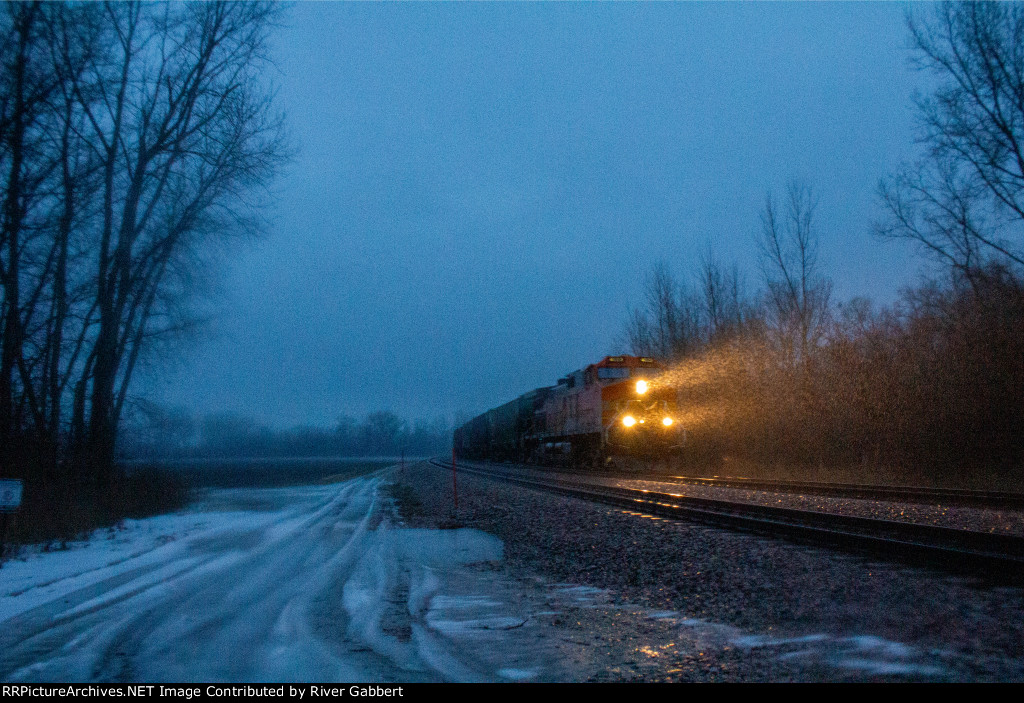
(183, 131)
(725, 310)
(667, 326)
(963, 202)
(797, 294)
(25, 268)
(134, 138)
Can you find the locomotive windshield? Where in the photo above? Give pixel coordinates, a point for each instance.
(623, 372)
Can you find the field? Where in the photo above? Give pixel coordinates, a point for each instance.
(264, 472)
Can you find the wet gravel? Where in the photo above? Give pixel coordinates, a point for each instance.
(688, 602)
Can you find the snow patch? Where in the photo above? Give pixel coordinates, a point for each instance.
(868, 653)
(517, 674)
(662, 614)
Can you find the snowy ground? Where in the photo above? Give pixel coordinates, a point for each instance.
(303, 583)
(318, 583)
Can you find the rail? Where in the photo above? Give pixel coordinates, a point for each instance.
(992, 556)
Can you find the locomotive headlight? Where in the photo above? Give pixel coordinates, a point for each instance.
(667, 422)
(629, 421)
(641, 387)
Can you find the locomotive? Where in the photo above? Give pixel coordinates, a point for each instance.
(609, 410)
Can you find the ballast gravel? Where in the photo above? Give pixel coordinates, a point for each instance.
(663, 600)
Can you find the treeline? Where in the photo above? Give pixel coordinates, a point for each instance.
(155, 432)
(929, 388)
(134, 141)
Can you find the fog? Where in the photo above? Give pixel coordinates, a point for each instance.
(479, 191)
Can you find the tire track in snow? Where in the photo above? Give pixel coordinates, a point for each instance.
(193, 617)
(323, 591)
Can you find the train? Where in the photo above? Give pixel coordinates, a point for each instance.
(602, 414)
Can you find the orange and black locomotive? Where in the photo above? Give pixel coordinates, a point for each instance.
(614, 408)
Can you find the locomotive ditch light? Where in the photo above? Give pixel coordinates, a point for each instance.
(641, 387)
(629, 421)
(667, 422)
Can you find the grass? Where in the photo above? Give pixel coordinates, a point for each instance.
(407, 502)
(59, 512)
(67, 511)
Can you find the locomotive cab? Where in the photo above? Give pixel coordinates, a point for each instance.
(639, 415)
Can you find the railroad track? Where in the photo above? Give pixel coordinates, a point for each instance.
(903, 494)
(997, 557)
(906, 494)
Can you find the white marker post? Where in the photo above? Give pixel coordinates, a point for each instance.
(455, 485)
(10, 499)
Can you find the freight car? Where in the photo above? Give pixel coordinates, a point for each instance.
(614, 408)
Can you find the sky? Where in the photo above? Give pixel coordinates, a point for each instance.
(480, 190)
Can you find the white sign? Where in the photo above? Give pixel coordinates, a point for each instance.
(10, 494)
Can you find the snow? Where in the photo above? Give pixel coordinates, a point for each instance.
(36, 576)
(310, 583)
(297, 584)
(867, 653)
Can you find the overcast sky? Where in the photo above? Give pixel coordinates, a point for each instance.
(481, 189)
